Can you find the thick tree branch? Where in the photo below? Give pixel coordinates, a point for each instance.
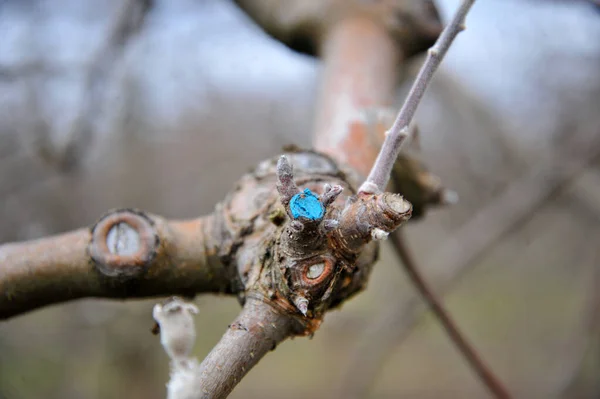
(382, 169)
(360, 74)
(258, 329)
(126, 254)
(302, 24)
(362, 55)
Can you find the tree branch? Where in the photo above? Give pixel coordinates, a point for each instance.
(360, 73)
(361, 62)
(453, 259)
(126, 254)
(258, 329)
(487, 376)
(362, 54)
(382, 169)
(302, 25)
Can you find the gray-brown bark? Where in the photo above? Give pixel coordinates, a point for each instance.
(258, 329)
(158, 258)
(382, 169)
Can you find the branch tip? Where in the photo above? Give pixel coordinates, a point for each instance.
(302, 304)
(433, 52)
(297, 225)
(330, 194)
(286, 187)
(329, 225)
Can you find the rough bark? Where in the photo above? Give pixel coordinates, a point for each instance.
(151, 258)
(258, 329)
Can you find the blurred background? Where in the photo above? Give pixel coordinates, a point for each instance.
(198, 93)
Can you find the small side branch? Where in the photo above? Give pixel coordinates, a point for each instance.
(395, 136)
(452, 259)
(126, 254)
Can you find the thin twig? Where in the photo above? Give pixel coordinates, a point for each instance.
(395, 136)
(453, 259)
(487, 376)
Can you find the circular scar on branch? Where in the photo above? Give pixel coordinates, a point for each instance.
(123, 244)
(306, 205)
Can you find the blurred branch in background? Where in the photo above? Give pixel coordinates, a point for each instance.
(66, 149)
(451, 328)
(582, 380)
(459, 253)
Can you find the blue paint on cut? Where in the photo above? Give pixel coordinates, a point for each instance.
(306, 205)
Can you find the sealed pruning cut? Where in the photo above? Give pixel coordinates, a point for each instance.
(312, 256)
(306, 205)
